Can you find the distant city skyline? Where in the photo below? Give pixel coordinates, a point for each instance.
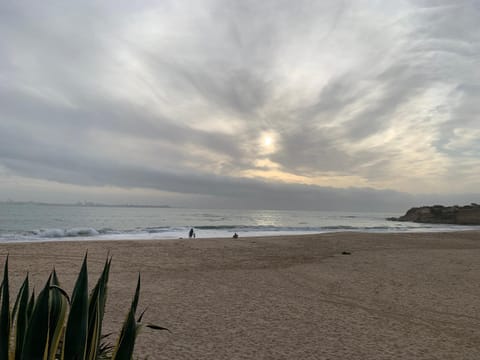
(323, 105)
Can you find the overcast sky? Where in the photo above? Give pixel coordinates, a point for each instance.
(335, 105)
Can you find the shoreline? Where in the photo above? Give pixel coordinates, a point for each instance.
(397, 295)
(71, 239)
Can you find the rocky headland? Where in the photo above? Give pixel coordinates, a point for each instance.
(439, 214)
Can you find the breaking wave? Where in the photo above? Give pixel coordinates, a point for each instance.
(60, 233)
(203, 231)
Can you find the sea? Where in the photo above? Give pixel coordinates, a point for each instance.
(30, 222)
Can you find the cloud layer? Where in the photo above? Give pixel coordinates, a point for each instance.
(362, 103)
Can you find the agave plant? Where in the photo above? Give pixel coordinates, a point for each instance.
(53, 326)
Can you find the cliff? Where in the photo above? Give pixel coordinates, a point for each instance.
(438, 214)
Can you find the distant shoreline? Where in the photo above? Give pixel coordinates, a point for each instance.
(85, 204)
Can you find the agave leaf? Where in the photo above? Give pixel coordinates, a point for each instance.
(103, 298)
(94, 332)
(151, 326)
(156, 327)
(61, 291)
(96, 311)
(126, 341)
(136, 296)
(5, 315)
(35, 344)
(130, 330)
(77, 324)
(57, 313)
(17, 300)
(105, 349)
(141, 316)
(31, 304)
(20, 314)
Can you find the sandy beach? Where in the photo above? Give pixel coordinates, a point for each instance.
(396, 296)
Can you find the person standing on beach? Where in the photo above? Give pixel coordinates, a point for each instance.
(191, 233)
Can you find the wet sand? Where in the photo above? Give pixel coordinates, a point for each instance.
(396, 296)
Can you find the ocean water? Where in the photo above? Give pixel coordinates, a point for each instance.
(32, 222)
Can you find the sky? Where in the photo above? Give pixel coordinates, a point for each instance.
(313, 105)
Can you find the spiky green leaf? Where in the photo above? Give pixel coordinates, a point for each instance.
(126, 342)
(31, 305)
(136, 296)
(21, 318)
(17, 299)
(77, 324)
(96, 311)
(57, 315)
(5, 315)
(35, 344)
(156, 327)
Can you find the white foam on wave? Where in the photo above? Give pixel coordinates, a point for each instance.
(81, 232)
(164, 233)
(50, 233)
(60, 233)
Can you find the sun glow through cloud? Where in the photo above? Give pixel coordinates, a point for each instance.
(268, 142)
